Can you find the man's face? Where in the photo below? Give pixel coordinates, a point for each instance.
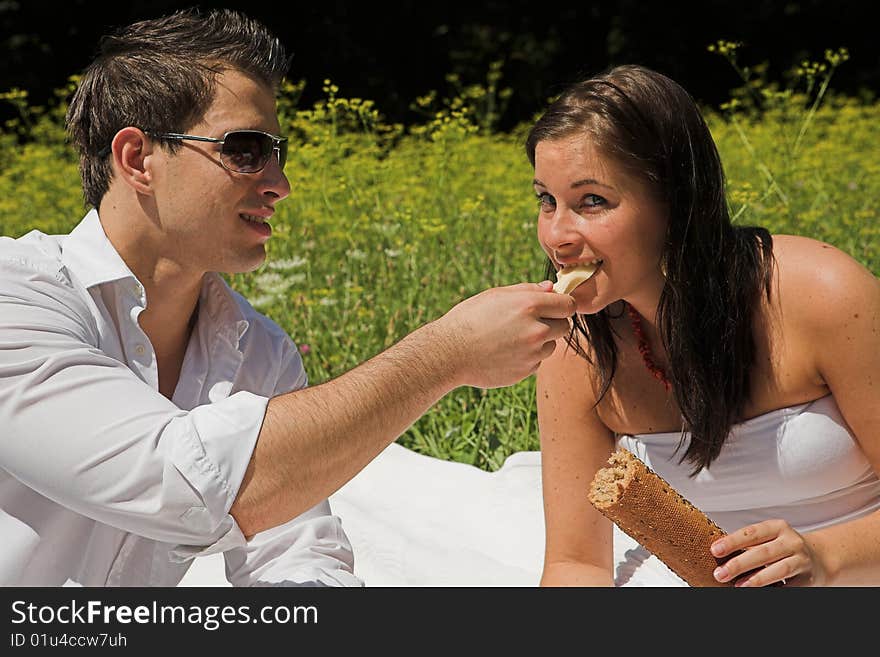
(214, 219)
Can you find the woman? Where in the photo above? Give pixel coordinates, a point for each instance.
(741, 367)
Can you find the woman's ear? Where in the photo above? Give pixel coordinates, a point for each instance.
(130, 149)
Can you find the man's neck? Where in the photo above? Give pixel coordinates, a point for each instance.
(171, 287)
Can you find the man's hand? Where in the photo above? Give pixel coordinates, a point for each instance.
(500, 336)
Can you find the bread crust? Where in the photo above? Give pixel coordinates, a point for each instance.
(652, 512)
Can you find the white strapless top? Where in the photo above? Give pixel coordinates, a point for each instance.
(800, 463)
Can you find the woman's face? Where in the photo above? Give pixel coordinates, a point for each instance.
(590, 210)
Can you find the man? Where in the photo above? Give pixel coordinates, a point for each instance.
(148, 413)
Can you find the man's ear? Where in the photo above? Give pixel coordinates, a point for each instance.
(130, 149)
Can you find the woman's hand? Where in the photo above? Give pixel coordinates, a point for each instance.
(766, 553)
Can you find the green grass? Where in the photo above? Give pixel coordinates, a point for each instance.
(387, 228)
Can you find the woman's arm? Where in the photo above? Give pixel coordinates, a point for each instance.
(574, 445)
(831, 311)
(843, 316)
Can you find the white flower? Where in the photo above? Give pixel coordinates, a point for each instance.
(273, 283)
(263, 301)
(289, 263)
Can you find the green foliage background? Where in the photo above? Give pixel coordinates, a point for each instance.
(387, 227)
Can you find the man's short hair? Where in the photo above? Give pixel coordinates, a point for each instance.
(159, 75)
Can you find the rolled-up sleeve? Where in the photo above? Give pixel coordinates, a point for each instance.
(310, 550)
(83, 430)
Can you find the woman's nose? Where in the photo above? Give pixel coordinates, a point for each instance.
(564, 229)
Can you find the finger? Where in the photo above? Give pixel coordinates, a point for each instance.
(547, 350)
(746, 561)
(778, 573)
(558, 328)
(534, 370)
(756, 558)
(556, 306)
(748, 536)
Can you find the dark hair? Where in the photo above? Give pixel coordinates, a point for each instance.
(159, 75)
(715, 271)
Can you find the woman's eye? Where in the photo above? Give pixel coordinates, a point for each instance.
(593, 200)
(546, 201)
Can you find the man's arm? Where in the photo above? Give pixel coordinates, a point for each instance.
(315, 440)
(135, 461)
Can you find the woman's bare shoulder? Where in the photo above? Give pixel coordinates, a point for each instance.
(818, 282)
(566, 368)
(799, 246)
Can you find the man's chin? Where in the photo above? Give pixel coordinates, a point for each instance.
(246, 264)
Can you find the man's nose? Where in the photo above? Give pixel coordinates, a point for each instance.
(273, 180)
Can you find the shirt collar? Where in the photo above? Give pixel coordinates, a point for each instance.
(90, 255)
(218, 301)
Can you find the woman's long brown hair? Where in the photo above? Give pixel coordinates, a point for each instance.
(715, 272)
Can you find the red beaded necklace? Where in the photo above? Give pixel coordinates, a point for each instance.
(645, 348)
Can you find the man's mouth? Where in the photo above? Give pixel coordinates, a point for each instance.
(570, 276)
(258, 224)
(252, 218)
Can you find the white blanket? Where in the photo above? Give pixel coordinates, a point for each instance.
(414, 520)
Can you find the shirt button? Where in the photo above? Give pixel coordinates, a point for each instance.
(136, 290)
(140, 349)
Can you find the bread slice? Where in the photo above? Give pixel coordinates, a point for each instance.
(647, 508)
(569, 278)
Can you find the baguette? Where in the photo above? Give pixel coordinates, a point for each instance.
(647, 508)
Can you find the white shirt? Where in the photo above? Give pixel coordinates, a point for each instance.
(104, 481)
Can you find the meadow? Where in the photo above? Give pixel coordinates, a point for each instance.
(387, 226)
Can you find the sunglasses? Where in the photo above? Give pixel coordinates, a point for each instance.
(241, 151)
